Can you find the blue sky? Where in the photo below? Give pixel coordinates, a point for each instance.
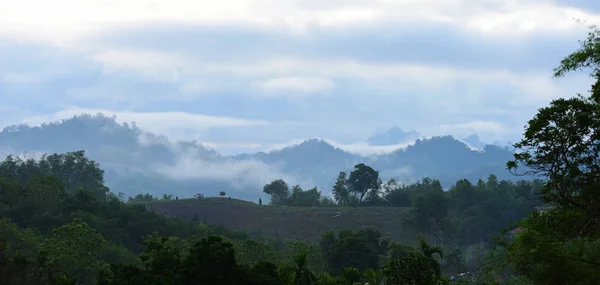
(243, 75)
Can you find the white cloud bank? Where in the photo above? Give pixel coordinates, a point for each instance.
(64, 19)
(294, 85)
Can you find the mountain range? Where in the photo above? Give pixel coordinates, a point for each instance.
(136, 161)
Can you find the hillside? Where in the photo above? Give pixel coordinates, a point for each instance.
(289, 222)
(137, 161)
(447, 159)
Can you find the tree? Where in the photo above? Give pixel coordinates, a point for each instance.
(211, 260)
(20, 270)
(414, 268)
(279, 192)
(340, 190)
(358, 249)
(222, 193)
(374, 277)
(429, 252)
(430, 210)
(302, 198)
(302, 274)
(395, 194)
(561, 144)
(77, 249)
(351, 275)
(364, 180)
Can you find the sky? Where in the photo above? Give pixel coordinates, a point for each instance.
(242, 75)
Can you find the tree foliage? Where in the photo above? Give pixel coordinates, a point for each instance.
(562, 143)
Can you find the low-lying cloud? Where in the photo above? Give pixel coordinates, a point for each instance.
(241, 173)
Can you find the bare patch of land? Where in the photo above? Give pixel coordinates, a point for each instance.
(287, 222)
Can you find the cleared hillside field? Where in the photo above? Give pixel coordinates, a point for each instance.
(288, 222)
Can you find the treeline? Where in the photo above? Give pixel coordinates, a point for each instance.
(467, 213)
(212, 260)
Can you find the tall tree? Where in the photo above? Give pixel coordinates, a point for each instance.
(279, 192)
(364, 180)
(340, 190)
(302, 274)
(562, 144)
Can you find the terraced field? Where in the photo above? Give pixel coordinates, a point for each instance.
(289, 222)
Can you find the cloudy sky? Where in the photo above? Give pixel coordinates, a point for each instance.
(239, 74)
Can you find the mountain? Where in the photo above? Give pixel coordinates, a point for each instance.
(313, 160)
(445, 158)
(393, 136)
(474, 141)
(136, 161)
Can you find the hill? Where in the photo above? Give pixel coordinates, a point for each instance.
(289, 222)
(136, 161)
(393, 136)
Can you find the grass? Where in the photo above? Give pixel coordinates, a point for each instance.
(287, 222)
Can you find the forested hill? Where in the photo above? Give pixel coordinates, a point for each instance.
(137, 161)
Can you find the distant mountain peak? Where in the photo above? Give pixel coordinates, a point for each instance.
(314, 144)
(474, 141)
(395, 135)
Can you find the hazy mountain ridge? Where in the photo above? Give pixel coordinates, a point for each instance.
(136, 161)
(393, 136)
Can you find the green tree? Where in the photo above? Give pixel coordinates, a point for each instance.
(430, 253)
(374, 276)
(358, 249)
(222, 193)
(429, 214)
(364, 180)
(340, 190)
(74, 169)
(77, 249)
(142, 198)
(413, 268)
(302, 198)
(351, 275)
(211, 260)
(395, 195)
(279, 192)
(302, 275)
(561, 144)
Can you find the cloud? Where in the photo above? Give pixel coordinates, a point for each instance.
(294, 85)
(173, 44)
(193, 164)
(175, 125)
(219, 72)
(510, 17)
(240, 173)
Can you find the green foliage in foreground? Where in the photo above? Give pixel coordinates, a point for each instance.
(211, 260)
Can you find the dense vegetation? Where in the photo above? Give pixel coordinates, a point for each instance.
(465, 214)
(64, 226)
(58, 207)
